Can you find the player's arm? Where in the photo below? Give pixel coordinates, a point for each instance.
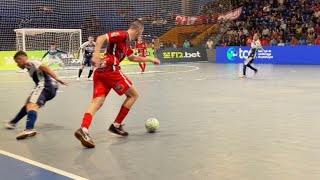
(133, 58)
(79, 50)
(78, 53)
(96, 55)
(60, 51)
(49, 71)
(45, 55)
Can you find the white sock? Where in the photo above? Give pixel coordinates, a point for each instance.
(85, 130)
(117, 125)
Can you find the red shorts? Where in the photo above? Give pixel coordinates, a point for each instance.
(104, 81)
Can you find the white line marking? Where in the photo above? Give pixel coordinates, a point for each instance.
(194, 68)
(43, 166)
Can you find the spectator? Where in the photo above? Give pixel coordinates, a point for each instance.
(174, 45)
(281, 43)
(317, 40)
(273, 42)
(186, 44)
(302, 41)
(311, 38)
(209, 44)
(265, 32)
(265, 41)
(287, 43)
(317, 29)
(294, 41)
(249, 42)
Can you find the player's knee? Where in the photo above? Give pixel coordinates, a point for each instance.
(134, 96)
(32, 107)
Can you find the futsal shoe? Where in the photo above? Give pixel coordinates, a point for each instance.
(243, 76)
(90, 79)
(26, 133)
(120, 131)
(9, 125)
(78, 79)
(84, 138)
(256, 72)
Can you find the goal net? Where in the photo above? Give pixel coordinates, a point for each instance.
(61, 21)
(37, 41)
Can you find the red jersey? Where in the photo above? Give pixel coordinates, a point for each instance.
(142, 49)
(118, 48)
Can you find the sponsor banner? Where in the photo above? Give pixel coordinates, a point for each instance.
(297, 55)
(231, 15)
(198, 20)
(7, 61)
(182, 54)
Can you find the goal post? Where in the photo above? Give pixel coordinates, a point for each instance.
(37, 41)
(40, 39)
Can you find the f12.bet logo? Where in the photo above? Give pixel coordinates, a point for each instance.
(169, 55)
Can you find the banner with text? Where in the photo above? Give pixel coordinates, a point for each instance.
(182, 54)
(298, 55)
(232, 15)
(7, 61)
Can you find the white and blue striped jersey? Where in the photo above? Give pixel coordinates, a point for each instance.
(39, 77)
(255, 46)
(88, 48)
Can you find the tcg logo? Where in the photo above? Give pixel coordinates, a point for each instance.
(232, 54)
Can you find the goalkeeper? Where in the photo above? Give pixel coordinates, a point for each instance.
(54, 58)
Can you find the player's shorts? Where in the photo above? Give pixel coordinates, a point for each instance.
(55, 60)
(104, 81)
(41, 94)
(87, 61)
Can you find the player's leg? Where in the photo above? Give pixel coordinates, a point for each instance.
(11, 124)
(51, 62)
(251, 67)
(61, 63)
(144, 66)
(37, 99)
(91, 69)
(100, 91)
(80, 71)
(141, 66)
(124, 87)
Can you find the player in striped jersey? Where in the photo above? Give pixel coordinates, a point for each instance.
(88, 49)
(255, 46)
(46, 87)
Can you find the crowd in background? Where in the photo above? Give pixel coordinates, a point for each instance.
(279, 23)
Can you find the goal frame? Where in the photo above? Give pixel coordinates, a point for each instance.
(34, 31)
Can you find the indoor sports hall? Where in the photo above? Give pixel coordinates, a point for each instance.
(215, 121)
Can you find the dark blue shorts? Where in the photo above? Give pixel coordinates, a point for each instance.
(40, 94)
(87, 61)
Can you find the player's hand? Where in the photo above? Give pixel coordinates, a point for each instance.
(62, 82)
(156, 61)
(96, 60)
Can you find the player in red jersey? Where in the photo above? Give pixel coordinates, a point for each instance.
(141, 46)
(108, 76)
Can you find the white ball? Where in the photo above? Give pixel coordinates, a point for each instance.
(152, 125)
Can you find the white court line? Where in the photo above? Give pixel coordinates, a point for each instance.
(43, 166)
(195, 68)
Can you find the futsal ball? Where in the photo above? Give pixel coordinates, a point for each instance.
(152, 125)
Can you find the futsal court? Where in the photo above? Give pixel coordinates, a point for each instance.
(213, 125)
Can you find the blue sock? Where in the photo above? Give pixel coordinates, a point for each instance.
(20, 115)
(32, 117)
